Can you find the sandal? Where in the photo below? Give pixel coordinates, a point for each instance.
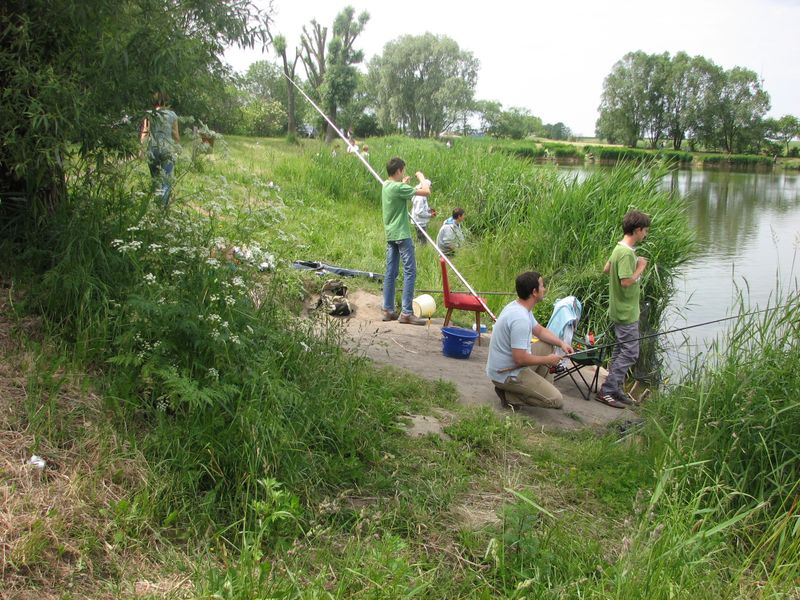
(609, 400)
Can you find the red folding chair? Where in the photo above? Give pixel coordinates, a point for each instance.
(460, 301)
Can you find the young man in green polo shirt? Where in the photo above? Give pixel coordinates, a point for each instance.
(394, 201)
(625, 270)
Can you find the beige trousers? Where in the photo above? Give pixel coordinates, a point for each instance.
(533, 385)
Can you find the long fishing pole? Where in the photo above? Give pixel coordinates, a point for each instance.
(676, 330)
(586, 351)
(355, 151)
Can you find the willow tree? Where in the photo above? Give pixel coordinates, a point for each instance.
(78, 75)
(423, 84)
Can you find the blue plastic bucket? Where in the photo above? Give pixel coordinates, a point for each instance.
(457, 342)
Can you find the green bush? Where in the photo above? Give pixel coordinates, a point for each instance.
(737, 160)
(561, 150)
(202, 349)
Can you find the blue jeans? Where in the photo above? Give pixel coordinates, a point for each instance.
(161, 169)
(395, 251)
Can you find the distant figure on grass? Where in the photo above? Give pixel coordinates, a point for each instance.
(394, 200)
(365, 151)
(625, 271)
(521, 373)
(422, 213)
(450, 234)
(160, 131)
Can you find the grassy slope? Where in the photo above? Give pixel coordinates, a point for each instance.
(430, 517)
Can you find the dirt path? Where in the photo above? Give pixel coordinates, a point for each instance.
(419, 350)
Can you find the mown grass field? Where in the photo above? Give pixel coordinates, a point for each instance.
(206, 442)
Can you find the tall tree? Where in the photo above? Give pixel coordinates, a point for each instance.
(313, 56)
(691, 81)
(741, 107)
(784, 130)
(623, 105)
(71, 71)
(656, 90)
(341, 77)
(289, 70)
(423, 83)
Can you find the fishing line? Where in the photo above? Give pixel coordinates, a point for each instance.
(658, 333)
(355, 151)
(585, 352)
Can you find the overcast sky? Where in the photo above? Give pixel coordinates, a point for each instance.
(551, 57)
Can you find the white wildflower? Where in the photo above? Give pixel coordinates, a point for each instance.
(230, 300)
(213, 297)
(238, 281)
(150, 278)
(213, 373)
(212, 261)
(235, 339)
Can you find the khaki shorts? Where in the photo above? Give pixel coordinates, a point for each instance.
(534, 385)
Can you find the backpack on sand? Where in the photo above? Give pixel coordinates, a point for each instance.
(332, 299)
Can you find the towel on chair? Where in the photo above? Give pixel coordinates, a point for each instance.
(564, 320)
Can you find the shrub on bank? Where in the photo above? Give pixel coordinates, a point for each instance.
(561, 150)
(737, 160)
(610, 153)
(200, 348)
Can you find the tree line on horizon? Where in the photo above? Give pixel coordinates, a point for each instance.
(689, 100)
(420, 86)
(80, 76)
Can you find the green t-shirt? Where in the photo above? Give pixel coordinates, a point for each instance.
(394, 200)
(623, 306)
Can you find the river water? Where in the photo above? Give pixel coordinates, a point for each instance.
(747, 227)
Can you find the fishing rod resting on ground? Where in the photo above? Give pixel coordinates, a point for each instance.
(355, 151)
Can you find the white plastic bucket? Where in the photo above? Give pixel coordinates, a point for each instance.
(424, 306)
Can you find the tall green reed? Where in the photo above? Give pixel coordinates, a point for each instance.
(732, 427)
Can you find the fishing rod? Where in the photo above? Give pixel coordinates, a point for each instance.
(355, 151)
(585, 352)
(676, 330)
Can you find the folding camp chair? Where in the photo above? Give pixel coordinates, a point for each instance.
(588, 357)
(563, 322)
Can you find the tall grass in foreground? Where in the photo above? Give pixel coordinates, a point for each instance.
(726, 500)
(200, 350)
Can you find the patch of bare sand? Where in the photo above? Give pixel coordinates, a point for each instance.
(419, 350)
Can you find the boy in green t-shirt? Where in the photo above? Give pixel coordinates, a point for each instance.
(625, 271)
(394, 201)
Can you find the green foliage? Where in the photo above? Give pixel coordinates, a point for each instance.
(736, 160)
(611, 153)
(422, 83)
(90, 71)
(264, 118)
(655, 96)
(204, 348)
(561, 150)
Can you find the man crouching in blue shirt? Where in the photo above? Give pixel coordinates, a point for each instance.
(519, 375)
